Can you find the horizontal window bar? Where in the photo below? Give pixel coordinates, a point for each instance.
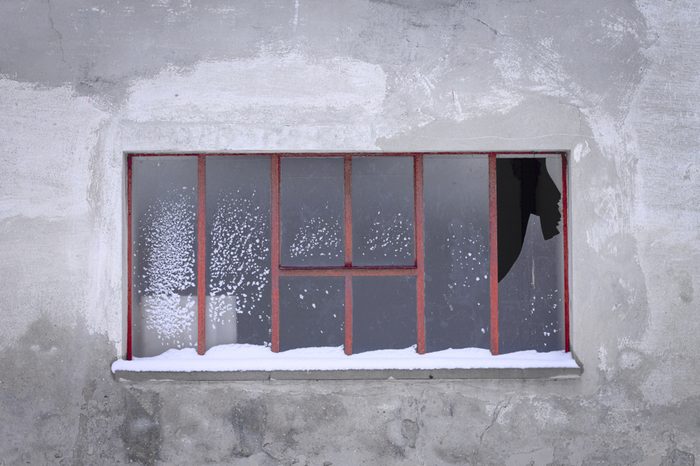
(348, 271)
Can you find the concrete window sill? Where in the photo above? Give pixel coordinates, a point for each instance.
(249, 362)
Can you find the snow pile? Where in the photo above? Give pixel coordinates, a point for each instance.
(243, 357)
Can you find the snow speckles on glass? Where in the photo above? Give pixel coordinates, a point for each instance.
(238, 273)
(164, 270)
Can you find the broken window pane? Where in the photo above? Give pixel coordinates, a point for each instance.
(382, 211)
(164, 301)
(312, 312)
(312, 211)
(384, 313)
(238, 250)
(530, 254)
(456, 210)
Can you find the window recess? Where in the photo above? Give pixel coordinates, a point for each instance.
(364, 251)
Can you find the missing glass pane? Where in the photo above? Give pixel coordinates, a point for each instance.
(530, 250)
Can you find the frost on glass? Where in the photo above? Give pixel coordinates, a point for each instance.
(312, 312)
(164, 300)
(456, 206)
(384, 313)
(530, 249)
(382, 211)
(311, 200)
(238, 250)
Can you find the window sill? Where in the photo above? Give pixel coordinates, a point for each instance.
(249, 362)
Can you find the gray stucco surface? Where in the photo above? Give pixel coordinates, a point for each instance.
(615, 82)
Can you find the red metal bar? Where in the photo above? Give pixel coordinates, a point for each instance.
(348, 271)
(341, 154)
(347, 210)
(420, 262)
(275, 249)
(565, 226)
(348, 315)
(493, 252)
(201, 254)
(129, 256)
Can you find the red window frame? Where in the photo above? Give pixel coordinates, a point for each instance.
(348, 270)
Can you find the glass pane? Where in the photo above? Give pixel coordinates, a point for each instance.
(384, 313)
(312, 312)
(530, 250)
(238, 250)
(164, 206)
(456, 200)
(382, 211)
(312, 211)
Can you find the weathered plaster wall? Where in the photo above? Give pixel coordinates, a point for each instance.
(614, 82)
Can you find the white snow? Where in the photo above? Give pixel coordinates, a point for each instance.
(243, 357)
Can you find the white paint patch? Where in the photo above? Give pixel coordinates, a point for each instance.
(46, 139)
(259, 89)
(580, 151)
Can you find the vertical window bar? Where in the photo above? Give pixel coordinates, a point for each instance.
(129, 260)
(565, 223)
(201, 254)
(347, 210)
(420, 263)
(493, 252)
(275, 249)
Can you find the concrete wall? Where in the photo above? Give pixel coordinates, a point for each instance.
(614, 82)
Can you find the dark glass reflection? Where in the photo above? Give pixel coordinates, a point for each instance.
(312, 312)
(384, 313)
(312, 211)
(456, 199)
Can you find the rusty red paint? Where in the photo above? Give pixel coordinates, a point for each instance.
(348, 315)
(340, 154)
(347, 271)
(347, 211)
(201, 254)
(565, 227)
(275, 249)
(347, 208)
(129, 255)
(493, 252)
(420, 262)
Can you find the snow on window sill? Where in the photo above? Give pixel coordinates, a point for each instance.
(253, 362)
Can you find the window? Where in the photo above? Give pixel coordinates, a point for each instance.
(368, 251)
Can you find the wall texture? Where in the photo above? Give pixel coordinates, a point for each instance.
(615, 82)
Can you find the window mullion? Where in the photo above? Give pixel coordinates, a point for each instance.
(418, 231)
(493, 252)
(347, 210)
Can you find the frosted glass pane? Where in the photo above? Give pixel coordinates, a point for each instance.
(312, 312)
(382, 211)
(312, 211)
(384, 313)
(164, 301)
(457, 278)
(238, 250)
(530, 248)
